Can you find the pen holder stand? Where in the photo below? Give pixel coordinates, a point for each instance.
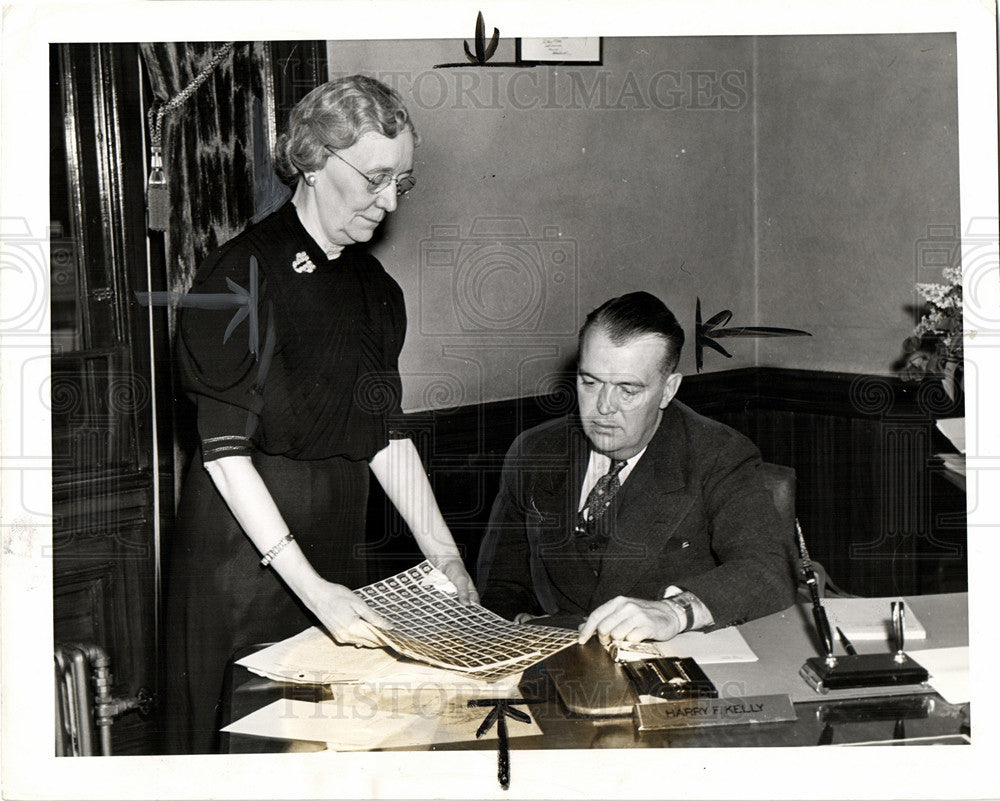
(861, 670)
(879, 708)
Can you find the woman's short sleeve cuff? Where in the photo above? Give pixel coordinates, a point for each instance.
(217, 424)
(218, 447)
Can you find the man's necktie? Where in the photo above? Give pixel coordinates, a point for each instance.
(599, 501)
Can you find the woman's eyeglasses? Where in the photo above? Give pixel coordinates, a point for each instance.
(380, 180)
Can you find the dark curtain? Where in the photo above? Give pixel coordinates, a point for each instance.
(217, 162)
(216, 155)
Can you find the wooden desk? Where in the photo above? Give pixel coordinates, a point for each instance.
(782, 643)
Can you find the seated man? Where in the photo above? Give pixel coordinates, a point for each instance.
(637, 514)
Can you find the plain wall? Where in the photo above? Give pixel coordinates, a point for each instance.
(786, 179)
(858, 167)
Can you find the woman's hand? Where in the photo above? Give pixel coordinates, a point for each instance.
(454, 569)
(345, 616)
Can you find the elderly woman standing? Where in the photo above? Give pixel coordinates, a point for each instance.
(296, 395)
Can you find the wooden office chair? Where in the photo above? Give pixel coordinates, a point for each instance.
(780, 480)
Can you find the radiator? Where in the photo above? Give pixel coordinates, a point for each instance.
(85, 708)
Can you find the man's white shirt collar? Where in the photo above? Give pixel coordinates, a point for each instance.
(597, 466)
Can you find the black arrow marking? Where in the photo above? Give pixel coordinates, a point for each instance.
(714, 328)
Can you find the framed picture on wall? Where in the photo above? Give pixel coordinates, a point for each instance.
(560, 50)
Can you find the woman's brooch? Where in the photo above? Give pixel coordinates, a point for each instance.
(302, 263)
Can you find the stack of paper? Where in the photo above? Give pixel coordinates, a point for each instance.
(705, 647)
(954, 429)
(380, 700)
(311, 657)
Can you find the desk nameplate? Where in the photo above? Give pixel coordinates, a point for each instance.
(714, 712)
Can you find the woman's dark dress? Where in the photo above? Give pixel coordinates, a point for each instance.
(304, 379)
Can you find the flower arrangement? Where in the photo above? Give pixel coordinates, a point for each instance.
(935, 347)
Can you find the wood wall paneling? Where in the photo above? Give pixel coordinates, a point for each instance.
(102, 587)
(103, 546)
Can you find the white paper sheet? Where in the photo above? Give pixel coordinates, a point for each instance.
(706, 648)
(312, 657)
(949, 671)
(871, 619)
(954, 429)
(353, 723)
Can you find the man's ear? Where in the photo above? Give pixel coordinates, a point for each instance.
(673, 383)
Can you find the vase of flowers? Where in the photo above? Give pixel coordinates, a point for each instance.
(935, 348)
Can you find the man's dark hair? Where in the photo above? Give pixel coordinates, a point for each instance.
(633, 315)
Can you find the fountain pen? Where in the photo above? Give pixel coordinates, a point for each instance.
(819, 613)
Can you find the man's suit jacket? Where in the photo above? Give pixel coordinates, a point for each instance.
(694, 513)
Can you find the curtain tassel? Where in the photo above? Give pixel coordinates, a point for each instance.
(157, 194)
(157, 190)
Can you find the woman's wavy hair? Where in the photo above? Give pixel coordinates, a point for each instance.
(336, 114)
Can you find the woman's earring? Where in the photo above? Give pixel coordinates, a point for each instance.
(311, 180)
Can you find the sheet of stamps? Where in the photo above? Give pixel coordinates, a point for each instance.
(429, 624)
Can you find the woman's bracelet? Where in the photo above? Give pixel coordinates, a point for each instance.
(269, 556)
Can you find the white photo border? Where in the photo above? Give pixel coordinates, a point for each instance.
(30, 770)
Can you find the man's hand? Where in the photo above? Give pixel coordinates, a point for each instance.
(633, 620)
(527, 617)
(454, 569)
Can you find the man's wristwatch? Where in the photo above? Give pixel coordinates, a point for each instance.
(683, 602)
